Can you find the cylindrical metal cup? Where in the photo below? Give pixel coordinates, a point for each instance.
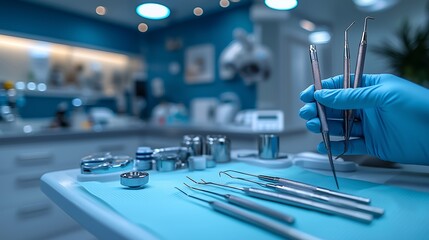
(194, 143)
(219, 147)
(268, 146)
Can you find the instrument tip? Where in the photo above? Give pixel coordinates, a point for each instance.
(366, 22)
(350, 26)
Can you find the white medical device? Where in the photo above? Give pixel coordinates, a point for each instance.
(261, 120)
(267, 120)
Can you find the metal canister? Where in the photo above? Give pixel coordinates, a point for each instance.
(194, 143)
(219, 147)
(166, 162)
(268, 146)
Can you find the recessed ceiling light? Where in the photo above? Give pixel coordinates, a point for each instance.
(374, 5)
(224, 3)
(153, 11)
(319, 37)
(143, 27)
(281, 4)
(198, 11)
(307, 25)
(100, 10)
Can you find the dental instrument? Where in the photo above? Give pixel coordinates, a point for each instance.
(321, 109)
(242, 202)
(361, 55)
(254, 219)
(323, 198)
(360, 62)
(346, 84)
(306, 187)
(296, 201)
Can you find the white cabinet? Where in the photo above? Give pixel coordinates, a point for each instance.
(25, 212)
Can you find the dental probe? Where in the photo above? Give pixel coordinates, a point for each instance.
(346, 84)
(360, 62)
(306, 187)
(323, 198)
(361, 55)
(242, 202)
(270, 225)
(321, 109)
(296, 201)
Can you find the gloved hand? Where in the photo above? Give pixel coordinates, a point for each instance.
(393, 114)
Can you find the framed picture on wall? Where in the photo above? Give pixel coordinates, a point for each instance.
(199, 64)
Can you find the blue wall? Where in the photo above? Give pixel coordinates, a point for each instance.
(27, 19)
(35, 20)
(216, 29)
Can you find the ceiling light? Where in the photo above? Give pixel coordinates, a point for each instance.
(198, 11)
(224, 3)
(307, 25)
(143, 27)
(319, 37)
(153, 11)
(374, 5)
(100, 10)
(281, 4)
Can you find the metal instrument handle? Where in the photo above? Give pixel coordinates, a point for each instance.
(304, 186)
(360, 62)
(242, 202)
(308, 204)
(343, 195)
(291, 183)
(330, 200)
(267, 224)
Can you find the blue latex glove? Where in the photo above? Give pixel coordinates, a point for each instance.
(393, 114)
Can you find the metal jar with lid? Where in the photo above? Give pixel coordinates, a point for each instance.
(166, 161)
(219, 147)
(194, 143)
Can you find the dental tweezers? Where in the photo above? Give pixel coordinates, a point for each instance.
(270, 225)
(321, 109)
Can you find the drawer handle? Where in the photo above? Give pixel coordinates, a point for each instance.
(34, 210)
(28, 182)
(36, 158)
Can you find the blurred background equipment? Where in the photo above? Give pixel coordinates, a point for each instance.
(245, 57)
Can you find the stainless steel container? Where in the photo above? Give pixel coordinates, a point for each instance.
(268, 146)
(194, 143)
(167, 162)
(134, 179)
(219, 147)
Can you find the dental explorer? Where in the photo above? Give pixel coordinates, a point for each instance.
(306, 187)
(360, 62)
(242, 202)
(346, 84)
(323, 198)
(254, 219)
(321, 109)
(296, 201)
